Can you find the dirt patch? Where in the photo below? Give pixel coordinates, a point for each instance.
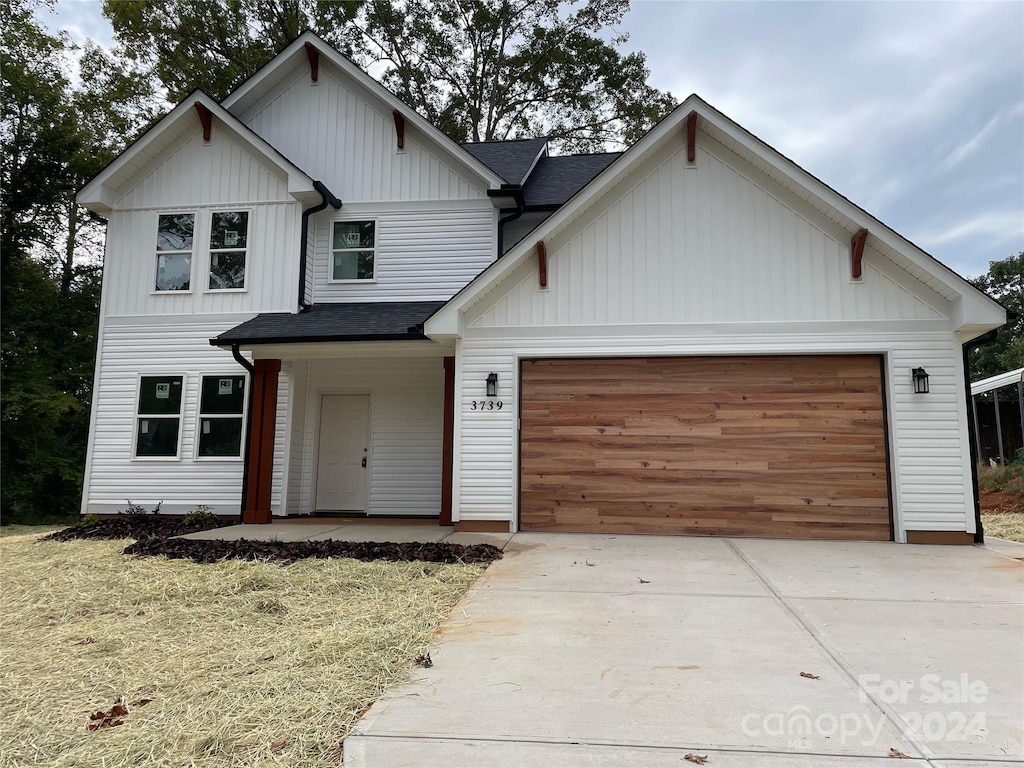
(1001, 503)
(140, 527)
(202, 551)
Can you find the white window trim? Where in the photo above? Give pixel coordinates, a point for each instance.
(241, 417)
(331, 250)
(137, 416)
(154, 291)
(247, 250)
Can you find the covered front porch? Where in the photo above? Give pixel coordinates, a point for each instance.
(350, 415)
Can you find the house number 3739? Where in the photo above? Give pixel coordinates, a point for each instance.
(485, 405)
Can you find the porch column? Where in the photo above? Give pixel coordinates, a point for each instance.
(447, 442)
(260, 469)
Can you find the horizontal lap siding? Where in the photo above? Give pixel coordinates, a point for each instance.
(929, 452)
(747, 446)
(423, 253)
(406, 431)
(129, 351)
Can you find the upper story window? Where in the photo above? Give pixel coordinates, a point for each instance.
(174, 251)
(158, 417)
(229, 240)
(352, 250)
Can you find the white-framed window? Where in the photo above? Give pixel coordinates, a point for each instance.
(221, 417)
(174, 239)
(158, 417)
(353, 250)
(229, 244)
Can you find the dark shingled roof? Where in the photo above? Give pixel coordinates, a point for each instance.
(556, 179)
(380, 321)
(511, 160)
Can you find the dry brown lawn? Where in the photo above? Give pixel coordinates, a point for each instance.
(1005, 526)
(246, 664)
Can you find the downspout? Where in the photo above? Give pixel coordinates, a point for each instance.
(520, 205)
(248, 424)
(326, 198)
(988, 338)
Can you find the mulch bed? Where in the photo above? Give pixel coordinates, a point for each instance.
(202, 551)
(154, 535)
(999, 503)
(139, 527)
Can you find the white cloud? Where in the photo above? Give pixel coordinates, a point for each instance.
(996, 226)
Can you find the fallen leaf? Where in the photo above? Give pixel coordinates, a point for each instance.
(590, 563)
(643, 581)
(809, 676)
(893, 752)
(277, 744)
(424, 660)
(698, 759)
(139, 703)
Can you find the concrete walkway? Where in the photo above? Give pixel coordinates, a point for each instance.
(587, 650)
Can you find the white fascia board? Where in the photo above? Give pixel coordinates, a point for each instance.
(347, 67)
(445, 321)
(877, 229)
(99, 194)
(997, 381)
(973, 308)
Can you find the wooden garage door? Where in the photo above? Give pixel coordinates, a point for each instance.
(789, 447)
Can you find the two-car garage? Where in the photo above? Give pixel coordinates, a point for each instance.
(774, 446)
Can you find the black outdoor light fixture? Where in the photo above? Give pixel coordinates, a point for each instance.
(492, 384)
(920, 376)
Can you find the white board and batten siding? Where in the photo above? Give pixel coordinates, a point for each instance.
(715, 260)
(132, 348)
(201, 178)
(346, 137)
(404, 463)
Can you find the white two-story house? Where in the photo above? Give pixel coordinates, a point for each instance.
(314, 302)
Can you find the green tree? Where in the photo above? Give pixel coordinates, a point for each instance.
(1005, 283)
(216, 44)
(478, 69)
(53, 137)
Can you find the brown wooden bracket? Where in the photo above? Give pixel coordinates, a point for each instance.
(313, 54)
(691, 137)
(857, 252)
(399, 127)
(205, 118)
(542, 261)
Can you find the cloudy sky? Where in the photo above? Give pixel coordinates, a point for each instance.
(915, 111)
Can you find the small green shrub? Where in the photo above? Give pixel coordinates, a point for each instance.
(89, 521)
(201, 515)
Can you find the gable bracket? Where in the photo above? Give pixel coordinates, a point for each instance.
(542, 261)
(857, 252)
(205, 118)
(399, 127)
(313, 54)
(691, 137)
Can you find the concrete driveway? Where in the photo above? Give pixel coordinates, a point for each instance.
(588, 650)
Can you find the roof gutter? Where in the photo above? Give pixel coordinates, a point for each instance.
(972, 436)
(326, 198)
(248, 422)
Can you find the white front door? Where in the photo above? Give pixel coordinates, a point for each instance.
(341, 479)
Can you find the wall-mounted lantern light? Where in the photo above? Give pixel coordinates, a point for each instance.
(492, 384)
(920, 376)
